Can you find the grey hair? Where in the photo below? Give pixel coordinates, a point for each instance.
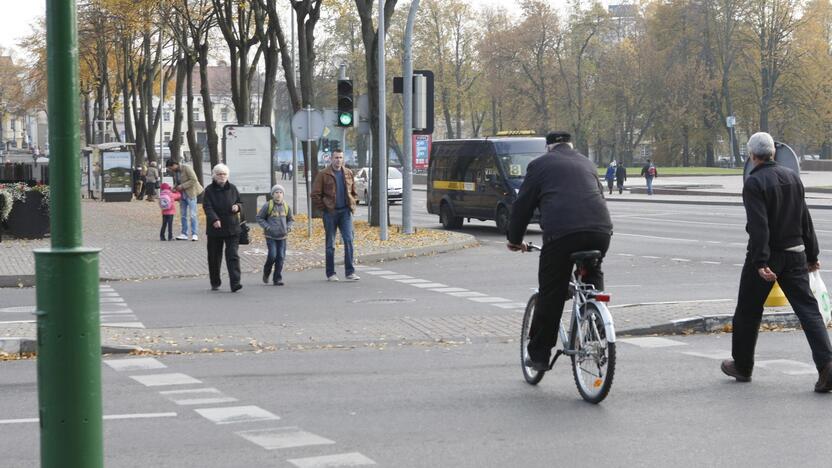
(761, 146)
(552, 146)
(220, 168)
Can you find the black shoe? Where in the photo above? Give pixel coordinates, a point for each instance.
(236, 287)
(729, 368)
(278, 283)
(266, 277)
(824, 384)
(536, 366)
(215, 288)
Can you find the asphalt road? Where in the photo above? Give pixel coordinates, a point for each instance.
(460, 405)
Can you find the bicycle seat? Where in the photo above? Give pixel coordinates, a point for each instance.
(585, 255)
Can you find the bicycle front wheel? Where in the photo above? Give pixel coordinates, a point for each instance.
(532, 376)
(593, 364)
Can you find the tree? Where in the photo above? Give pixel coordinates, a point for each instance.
(236, 20)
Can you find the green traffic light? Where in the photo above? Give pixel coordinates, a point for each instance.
(345, 119)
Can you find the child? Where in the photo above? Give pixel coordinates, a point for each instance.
(166, 203)
(275, 217)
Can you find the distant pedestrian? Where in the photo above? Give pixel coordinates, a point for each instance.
(275, 217)
(783, 247)
(190, 188)
(137, 182)
(649, 172)
(620, 177)
(167, 203)
(333, 192)
(284, 169)
(151, 181)
(289, 169)
(222, 207)
(610, 176)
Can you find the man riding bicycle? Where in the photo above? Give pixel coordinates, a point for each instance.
(564, 185)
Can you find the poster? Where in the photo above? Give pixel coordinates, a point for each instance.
(248, 155)
(421, 151)
(117, 171)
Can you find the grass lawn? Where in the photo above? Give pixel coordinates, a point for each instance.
(680, 171)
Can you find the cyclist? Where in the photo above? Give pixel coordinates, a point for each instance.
(563, 184)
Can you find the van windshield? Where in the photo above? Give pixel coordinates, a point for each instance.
(514, 165)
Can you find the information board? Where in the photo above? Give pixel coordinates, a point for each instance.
(117, 173)
(248, 155)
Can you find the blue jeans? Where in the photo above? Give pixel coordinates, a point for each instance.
(341, 220)
(649, 185)
(187, 209)
(277, 254)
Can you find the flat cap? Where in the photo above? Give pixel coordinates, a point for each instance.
(558, 136)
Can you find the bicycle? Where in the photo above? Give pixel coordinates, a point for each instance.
(591, 339)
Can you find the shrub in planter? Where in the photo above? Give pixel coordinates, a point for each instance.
(25, 210)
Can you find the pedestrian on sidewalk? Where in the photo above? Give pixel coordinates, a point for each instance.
(620, 177)
(190, 188)
(275, 217)
(783, 247)
(151, 180)
(167, 203)
(610, 175)
(333, 192)
(222, 207)
(649, 172)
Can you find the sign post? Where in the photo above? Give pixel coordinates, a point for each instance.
(307, 126)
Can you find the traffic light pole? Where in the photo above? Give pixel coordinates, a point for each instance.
(407, 139)
(382, 127)
(69, 342)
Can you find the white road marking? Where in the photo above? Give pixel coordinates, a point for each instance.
(104, 300)
(650, 256)
(716, 355)
(19, 309)
(788, 367)
(381, 272)
(413, 281)
(466, 294)
(124, 325)
(488, 300)
(396, 277)
(511, 305)
(737, 264)
(711, 263)
(625, 255)
(657, 237)
(283, 438)
(236, 414)
(429, 285)
(159, 380)
(365, 268)
(108, 294)
(329, 461)
(652, 342)
(107, 417)
(681, 259)
(447, 290)
(197, 396)
(134, 364)
(619, 306)
(679, 221)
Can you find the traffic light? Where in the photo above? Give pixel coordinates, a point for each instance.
(346, 112)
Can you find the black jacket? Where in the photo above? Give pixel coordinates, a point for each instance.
(777, 214)
(216, 203)
(564, 185)
(621, 173)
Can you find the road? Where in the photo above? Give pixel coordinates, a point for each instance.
(462, 405)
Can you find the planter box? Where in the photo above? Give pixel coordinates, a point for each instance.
(29, 219)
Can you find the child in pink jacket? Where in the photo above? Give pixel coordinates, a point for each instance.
(167, 200)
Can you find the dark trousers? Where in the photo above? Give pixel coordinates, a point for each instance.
(167, 223)
(610, 183)
(553, 277)
(793, 276)
(232, 259)
(620, 186)
(275, 257)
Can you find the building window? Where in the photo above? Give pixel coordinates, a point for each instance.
(167, 137)
(166, 116)
(196, 115)
(224, 116)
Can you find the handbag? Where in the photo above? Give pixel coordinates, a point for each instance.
(245, 239)
(822, 295)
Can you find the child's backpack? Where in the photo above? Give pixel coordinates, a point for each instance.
(651, 171)
(165, 202)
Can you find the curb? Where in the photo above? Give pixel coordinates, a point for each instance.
(16, 345)
(709, 324)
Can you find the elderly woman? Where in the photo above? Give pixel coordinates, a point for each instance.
(222, 205)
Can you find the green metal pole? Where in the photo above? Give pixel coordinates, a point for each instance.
(69, 341)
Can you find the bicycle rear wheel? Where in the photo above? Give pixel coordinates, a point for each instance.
(532, 376)
(593, 364)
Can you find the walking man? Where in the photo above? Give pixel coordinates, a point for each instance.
(782, 246)
(649, 172)
(620, 177)
(190, 188)
(333, 192)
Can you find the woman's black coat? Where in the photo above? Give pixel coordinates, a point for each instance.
(217, 202)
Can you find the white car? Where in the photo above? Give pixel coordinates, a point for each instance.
(363, 182)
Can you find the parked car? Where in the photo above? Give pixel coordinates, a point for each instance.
(363, 184)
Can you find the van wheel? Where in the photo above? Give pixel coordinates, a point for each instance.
(448, 220)
(502, 219)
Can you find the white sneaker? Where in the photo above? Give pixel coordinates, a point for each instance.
(194, 237)
(332, 279)
(182, 237)
(353, 277)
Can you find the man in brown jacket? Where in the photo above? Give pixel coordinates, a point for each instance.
(333, 192)
(188, 185)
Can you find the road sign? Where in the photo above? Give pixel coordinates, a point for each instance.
(783, 154)
(307, 124)
(730, 121)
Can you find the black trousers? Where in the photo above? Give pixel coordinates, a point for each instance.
(793, 276)
(232, 259)
(167, 224)
(553, 277)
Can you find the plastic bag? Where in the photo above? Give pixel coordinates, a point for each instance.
(822, 295)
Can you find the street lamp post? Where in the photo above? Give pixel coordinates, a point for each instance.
(69, 342)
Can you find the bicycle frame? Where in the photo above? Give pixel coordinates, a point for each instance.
(581, 297)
